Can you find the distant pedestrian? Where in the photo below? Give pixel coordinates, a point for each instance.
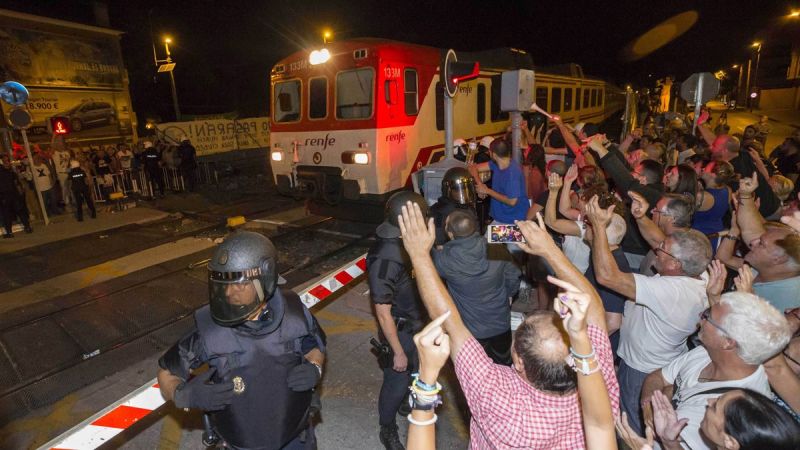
(152, 165)
(12, 200)
(61, 159)
(188, 156)
(79, 181)
(43, 179)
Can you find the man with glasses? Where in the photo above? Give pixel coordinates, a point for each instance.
(672, 212)
(663, 310)
(739, 334)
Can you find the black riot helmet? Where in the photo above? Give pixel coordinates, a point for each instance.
(459, 186)
(390, 227)
(242, 275)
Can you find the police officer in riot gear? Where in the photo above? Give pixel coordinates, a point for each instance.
(398, 310)
(264, 350)
(152, 165)
(458, 191)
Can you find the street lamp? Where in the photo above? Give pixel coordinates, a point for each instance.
(756, 45)
(168, 65)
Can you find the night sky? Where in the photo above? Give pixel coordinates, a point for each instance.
(225, 49)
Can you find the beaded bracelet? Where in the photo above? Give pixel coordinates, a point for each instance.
(424, 386)
(422, 424)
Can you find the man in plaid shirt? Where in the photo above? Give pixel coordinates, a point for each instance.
(533, 404)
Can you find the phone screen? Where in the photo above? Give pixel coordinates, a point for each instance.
(502, 234)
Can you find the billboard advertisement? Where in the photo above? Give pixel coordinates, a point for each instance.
(220, 135)
(38, 58)
(75, 74)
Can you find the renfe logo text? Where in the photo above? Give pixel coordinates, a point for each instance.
(396, 137)
(321, 142)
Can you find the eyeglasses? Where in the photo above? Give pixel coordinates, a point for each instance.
(706, 315)
(656, 210)
(660, 248)
(786, 355)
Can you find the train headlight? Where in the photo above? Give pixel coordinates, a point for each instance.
(319, 56)
(355, 158)
(277, 155)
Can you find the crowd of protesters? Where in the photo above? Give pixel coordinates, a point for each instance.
(667, 273)
(69, 177)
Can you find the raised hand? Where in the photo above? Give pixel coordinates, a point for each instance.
(639, 205)
(554, 182)
(537, 240)
(748, 185)
(433, 346)
(744, 282)
(666, 421)
(417, 237)
(634, 441)
(571, 305)
(572, 174)
(600, 217)
(716, 280)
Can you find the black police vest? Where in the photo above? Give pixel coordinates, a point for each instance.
(267, 414)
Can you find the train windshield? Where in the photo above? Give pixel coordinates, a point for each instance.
(287, 101)
(354, 94)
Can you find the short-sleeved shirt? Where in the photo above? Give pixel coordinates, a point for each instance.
(744, 166)
(102, 164)
(390, 280)
(61, 158)
(78, 179)
(41, 176)
(655, 327)
(125, 158)
(782, 294)
(511, 183)
(684, 372)
(612, 301)
(508, 412)
(576, 249)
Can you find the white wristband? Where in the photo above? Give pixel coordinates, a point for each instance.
(421, 424)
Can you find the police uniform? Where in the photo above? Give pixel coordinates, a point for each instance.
(458, 192)
(80, 191)
(152, 165)
(390, 279)
(258, 359)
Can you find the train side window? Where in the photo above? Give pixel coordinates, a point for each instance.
(286, 95)
(390, 92)
(541, 97)
(594, 98)
(600, 97)
(586, 93)
(577, 99)
(317, 98)
(497, 115)
(567, 99)
(481, 103)
(410, 92)
(439, 106)
(555, 104)
(354, 94)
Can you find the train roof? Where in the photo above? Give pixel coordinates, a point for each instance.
(504, 58)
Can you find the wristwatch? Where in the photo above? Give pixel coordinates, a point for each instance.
(412, 402)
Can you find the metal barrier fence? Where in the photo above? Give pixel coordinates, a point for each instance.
(141, 183)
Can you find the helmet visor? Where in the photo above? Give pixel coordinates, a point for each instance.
(462, 191)
(233, 297)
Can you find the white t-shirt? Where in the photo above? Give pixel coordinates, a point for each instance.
(125, 157)
(61, 159)
(655, 327)
(684, 372)
(576, 249)
(41, 176)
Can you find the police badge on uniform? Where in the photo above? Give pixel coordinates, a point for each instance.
(238, 385)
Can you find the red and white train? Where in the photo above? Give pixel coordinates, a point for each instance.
(350, 123)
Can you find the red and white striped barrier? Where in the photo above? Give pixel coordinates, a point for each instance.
(101, 427)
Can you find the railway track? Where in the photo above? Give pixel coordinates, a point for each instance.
(45, 357)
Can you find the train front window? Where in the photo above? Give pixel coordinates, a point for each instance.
(410, 92)
(354, 94)
(286, 96)
(541, 97)
(555, 105)
(317, 98)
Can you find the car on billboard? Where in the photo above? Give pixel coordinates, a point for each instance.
(86, 114)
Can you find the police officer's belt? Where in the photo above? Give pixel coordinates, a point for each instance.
(407, 325)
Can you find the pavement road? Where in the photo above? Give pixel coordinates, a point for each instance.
(740, 118)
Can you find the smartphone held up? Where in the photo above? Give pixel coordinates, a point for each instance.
(503, 234)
